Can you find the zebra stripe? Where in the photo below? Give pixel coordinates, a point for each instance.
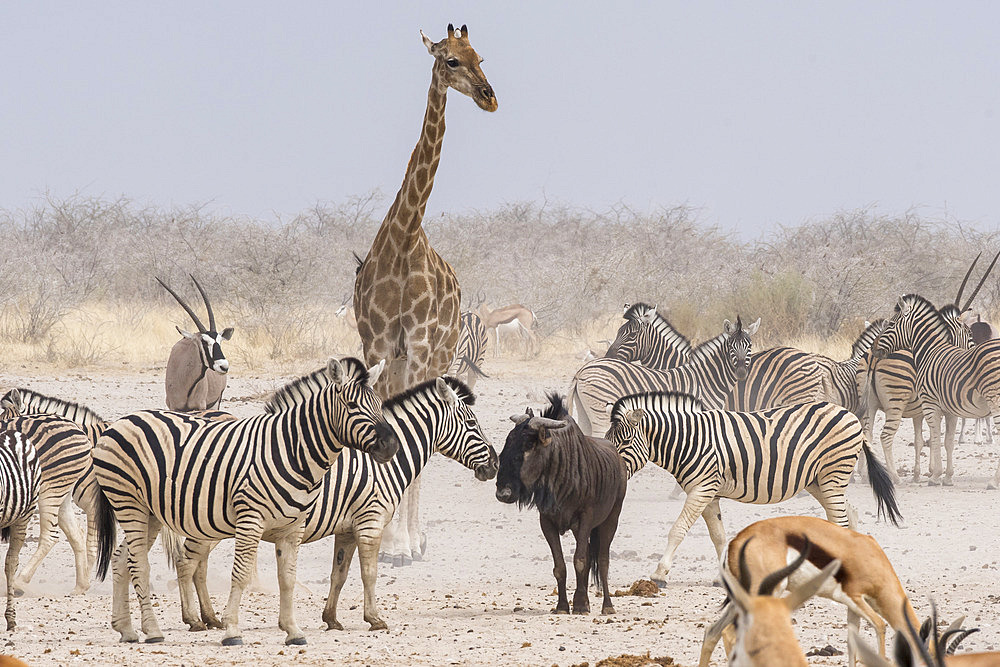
(839, 378)
(951, 381)
(209, 479)
(778, 377)
(32, 402)
(358, 497)
(753, 457)
(20, 479)
(649, 339)
(64, 456)
(712, 370)
(471, 351)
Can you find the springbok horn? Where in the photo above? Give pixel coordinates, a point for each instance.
(544, 422)
(197, 322)
(980, 285)
(743, 569)
(958, 299)
(208, 306)
(770, 581)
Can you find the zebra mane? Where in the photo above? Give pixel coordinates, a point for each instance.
(556, 408)
(707, 348)
(950, 311)
(459, 387)
(662, 326)
(35, 402)
(661, 401)
(300, 390)
(867, 338)
(918, 302)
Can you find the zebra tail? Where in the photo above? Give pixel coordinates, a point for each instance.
(107, 532)
(885, 493)
(472, 364)
(592, 549)
(173, 546)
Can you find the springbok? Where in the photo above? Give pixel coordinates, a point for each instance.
(764, 633)
(866, 583)
(196, 368)
(514, 319)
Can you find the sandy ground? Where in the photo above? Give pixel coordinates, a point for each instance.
(483, 594)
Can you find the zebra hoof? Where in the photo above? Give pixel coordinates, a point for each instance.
(417, 556)
(232, 641)
(197, 626)
(295, 641)
(383, 557)
(154, 640)
(947, 482)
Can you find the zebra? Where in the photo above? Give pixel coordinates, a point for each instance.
(754, 457)
(359, 497)
(649, 339)
(20, 479)
(64, 456)
(951, 381)
(713, 368)
(471, 350)
(778, 377)
(839, 378)
(210, 479)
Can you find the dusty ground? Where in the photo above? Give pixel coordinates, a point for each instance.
(483, 594)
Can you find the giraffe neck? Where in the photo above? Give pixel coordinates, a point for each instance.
(407, 211)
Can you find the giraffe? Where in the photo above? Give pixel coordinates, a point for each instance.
(406, 297)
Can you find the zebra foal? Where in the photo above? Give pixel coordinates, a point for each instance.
(359, 496)
(20, 476)
(471, 351)
(210, 479)
(754, 457)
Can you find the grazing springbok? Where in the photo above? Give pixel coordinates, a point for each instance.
(577, 483)
(866, 583)
(753, 457)
(764, 635)
(513, 320)
(927, 647)
(197, 368)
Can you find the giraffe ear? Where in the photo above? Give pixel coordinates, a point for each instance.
(427, 42)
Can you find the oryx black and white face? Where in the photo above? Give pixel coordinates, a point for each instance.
(208, 339)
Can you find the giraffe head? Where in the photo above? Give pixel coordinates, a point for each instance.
(456, 65)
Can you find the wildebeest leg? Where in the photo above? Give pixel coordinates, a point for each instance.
(581, 565)
(694, 506)
(343, 551)
(606, 533)
(551, 534)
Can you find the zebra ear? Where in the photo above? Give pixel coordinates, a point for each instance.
(867, 324)
(336, 371)
(635, 416)
(375, 372)
(625, 309)
(12, 402)
(752, 329)
(446, 392)
(608, 407)
(729, 327)
(902, 306)
(649, 315)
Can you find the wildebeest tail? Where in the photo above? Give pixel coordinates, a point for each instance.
(107, 533)
(885, 493)
(592, 550)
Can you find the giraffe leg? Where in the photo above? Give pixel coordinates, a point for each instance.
(77, 543)
(395, 539)
(16, 541)
(48, 511)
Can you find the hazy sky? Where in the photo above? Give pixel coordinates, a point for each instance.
(758, 113)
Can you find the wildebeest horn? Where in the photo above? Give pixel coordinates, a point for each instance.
(519, 419)
(197, 322)
(979, 286)
(208, 306)
(545, 422)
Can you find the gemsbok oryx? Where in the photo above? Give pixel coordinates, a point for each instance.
(753, 457)
(951, 381)
(358, 495)
(211, 479)
(406, 296)
(20, 477)
(711, 371)
(866, 582)
(197, 367)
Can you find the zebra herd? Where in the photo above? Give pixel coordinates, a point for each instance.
(328, 457)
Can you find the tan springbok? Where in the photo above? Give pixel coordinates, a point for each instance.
(513, 320)
(196, 368)
(866, 583)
